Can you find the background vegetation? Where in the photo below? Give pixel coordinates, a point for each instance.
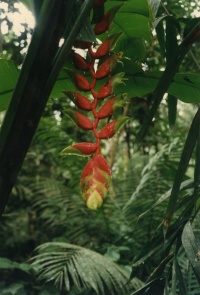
(145, 239)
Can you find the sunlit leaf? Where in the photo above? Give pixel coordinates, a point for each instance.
(8, 77)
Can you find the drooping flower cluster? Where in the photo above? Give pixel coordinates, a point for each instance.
(96, 175)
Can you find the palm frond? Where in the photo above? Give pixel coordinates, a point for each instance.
(71, 266)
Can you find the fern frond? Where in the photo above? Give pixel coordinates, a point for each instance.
(71, 266)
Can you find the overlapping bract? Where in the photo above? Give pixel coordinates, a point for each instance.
(96, 175)
(94, 181)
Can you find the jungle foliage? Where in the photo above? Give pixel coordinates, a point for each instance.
(145, 239)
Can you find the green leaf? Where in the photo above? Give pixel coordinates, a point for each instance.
(125, 21)
(68, 264)
(8, 77)
(183, 164)
(192, 248)
(133, 47)
(133, 19)
(14, 289)
(172, 28)
(185, 86)
(181, 282)
(6, 263)
(112, 254)
(172, 110)
(154, 287)
(63, 82)
(160, 32)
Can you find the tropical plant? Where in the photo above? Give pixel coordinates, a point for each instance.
(151, 215)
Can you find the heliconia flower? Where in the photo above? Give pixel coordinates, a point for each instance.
(80, 149)
(81, 82)
(82, 44)
(80, 62)
(107, 88)
(109, 107)
(81, 101)
(99, 3)
(104, 25)
(106, 47)
(112, 128)
(94, 182)
(79, 119)
(107, 66)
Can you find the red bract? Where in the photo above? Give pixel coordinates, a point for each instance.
(81, 82)
(87, 148)
(107, 109)
(105, 90)
(81, 149)
(106, 47)
(107, 66)
(112, 128)
(104, 24)
(79, 62)
(82, 102)
(94, 181)
(83, 121)
(96, 175)
(108, 131)
(82, 44)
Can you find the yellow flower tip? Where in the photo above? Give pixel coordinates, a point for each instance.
(94, 201)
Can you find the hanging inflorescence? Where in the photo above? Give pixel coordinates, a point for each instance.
(96, 175)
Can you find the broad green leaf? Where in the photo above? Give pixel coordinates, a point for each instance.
(8, 77)
(133, 19)
(63, 83)
(185, 86)
(133, 48)
(133, 25)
